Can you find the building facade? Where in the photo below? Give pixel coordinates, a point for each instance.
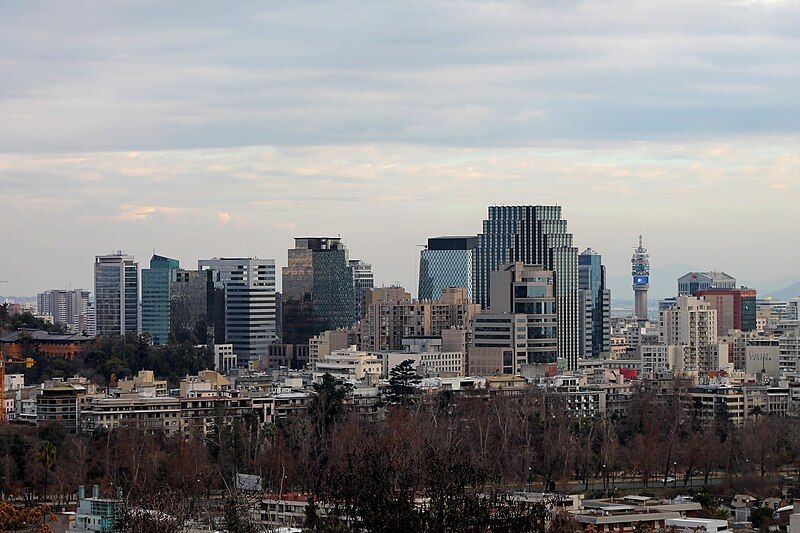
(499, 344)
(249, 294)
(391, 316)
(318, 289)
(691, 322)
(736, 308)
(156, 285)
(691, 282)
(446, 262)
(116, 292)
(67, 306)
(196, 308)
(533, 235)
(363, 280)
(529, 290)
(596, 297)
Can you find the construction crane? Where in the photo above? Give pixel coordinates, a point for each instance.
(9, 360)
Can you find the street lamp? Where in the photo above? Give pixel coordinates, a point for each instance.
(674, 474)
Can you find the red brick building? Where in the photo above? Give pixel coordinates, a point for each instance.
(67, 346)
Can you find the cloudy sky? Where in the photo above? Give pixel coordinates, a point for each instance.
(203, 129)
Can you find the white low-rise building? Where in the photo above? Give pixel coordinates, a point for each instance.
(224, 358)
(692, 525)
(349, 365)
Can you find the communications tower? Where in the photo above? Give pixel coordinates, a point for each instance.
(640, 270)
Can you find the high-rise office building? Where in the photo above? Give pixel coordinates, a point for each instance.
(249, 285)
(156, 285)
(446, 262)
(533, 235)
(318, 291)
(640, 271)
(116, 293)
(516, 288)
(596, 320)
(196, 307)
(67, 306)
(363, 280)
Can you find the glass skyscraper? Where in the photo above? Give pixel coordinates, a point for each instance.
(249, 285)
(156, 284)
(446, 262)
(318, 290)
(533, 235)
(116, 290)
(596, 319)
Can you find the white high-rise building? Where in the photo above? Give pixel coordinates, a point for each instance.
(116, 294)
(250, 320)
(692, 322)
(363, 280)
(89, 325)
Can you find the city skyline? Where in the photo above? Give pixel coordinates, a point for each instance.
(200, 131)
(480, 265)
(619, 280)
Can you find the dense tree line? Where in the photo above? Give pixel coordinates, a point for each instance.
(124, 356)
(439, 464)
(111, 356)
(9, 322)
(116, 357)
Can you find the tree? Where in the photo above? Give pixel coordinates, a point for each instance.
(761, 516)
(47, 455)
(328, 404)
(312, 516)
(403, 381)
(720, 514)
(33, 519)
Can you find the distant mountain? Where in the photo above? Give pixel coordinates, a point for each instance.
(768, 287)
(792, 291)
(663, 283)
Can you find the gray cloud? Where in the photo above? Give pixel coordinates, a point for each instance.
(94, 76)
(206, 128)
(691, 200)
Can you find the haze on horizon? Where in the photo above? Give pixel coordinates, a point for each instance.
(206, 129)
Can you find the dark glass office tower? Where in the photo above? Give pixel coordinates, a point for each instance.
(596, 323)
(318, 292)
(534, 235)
